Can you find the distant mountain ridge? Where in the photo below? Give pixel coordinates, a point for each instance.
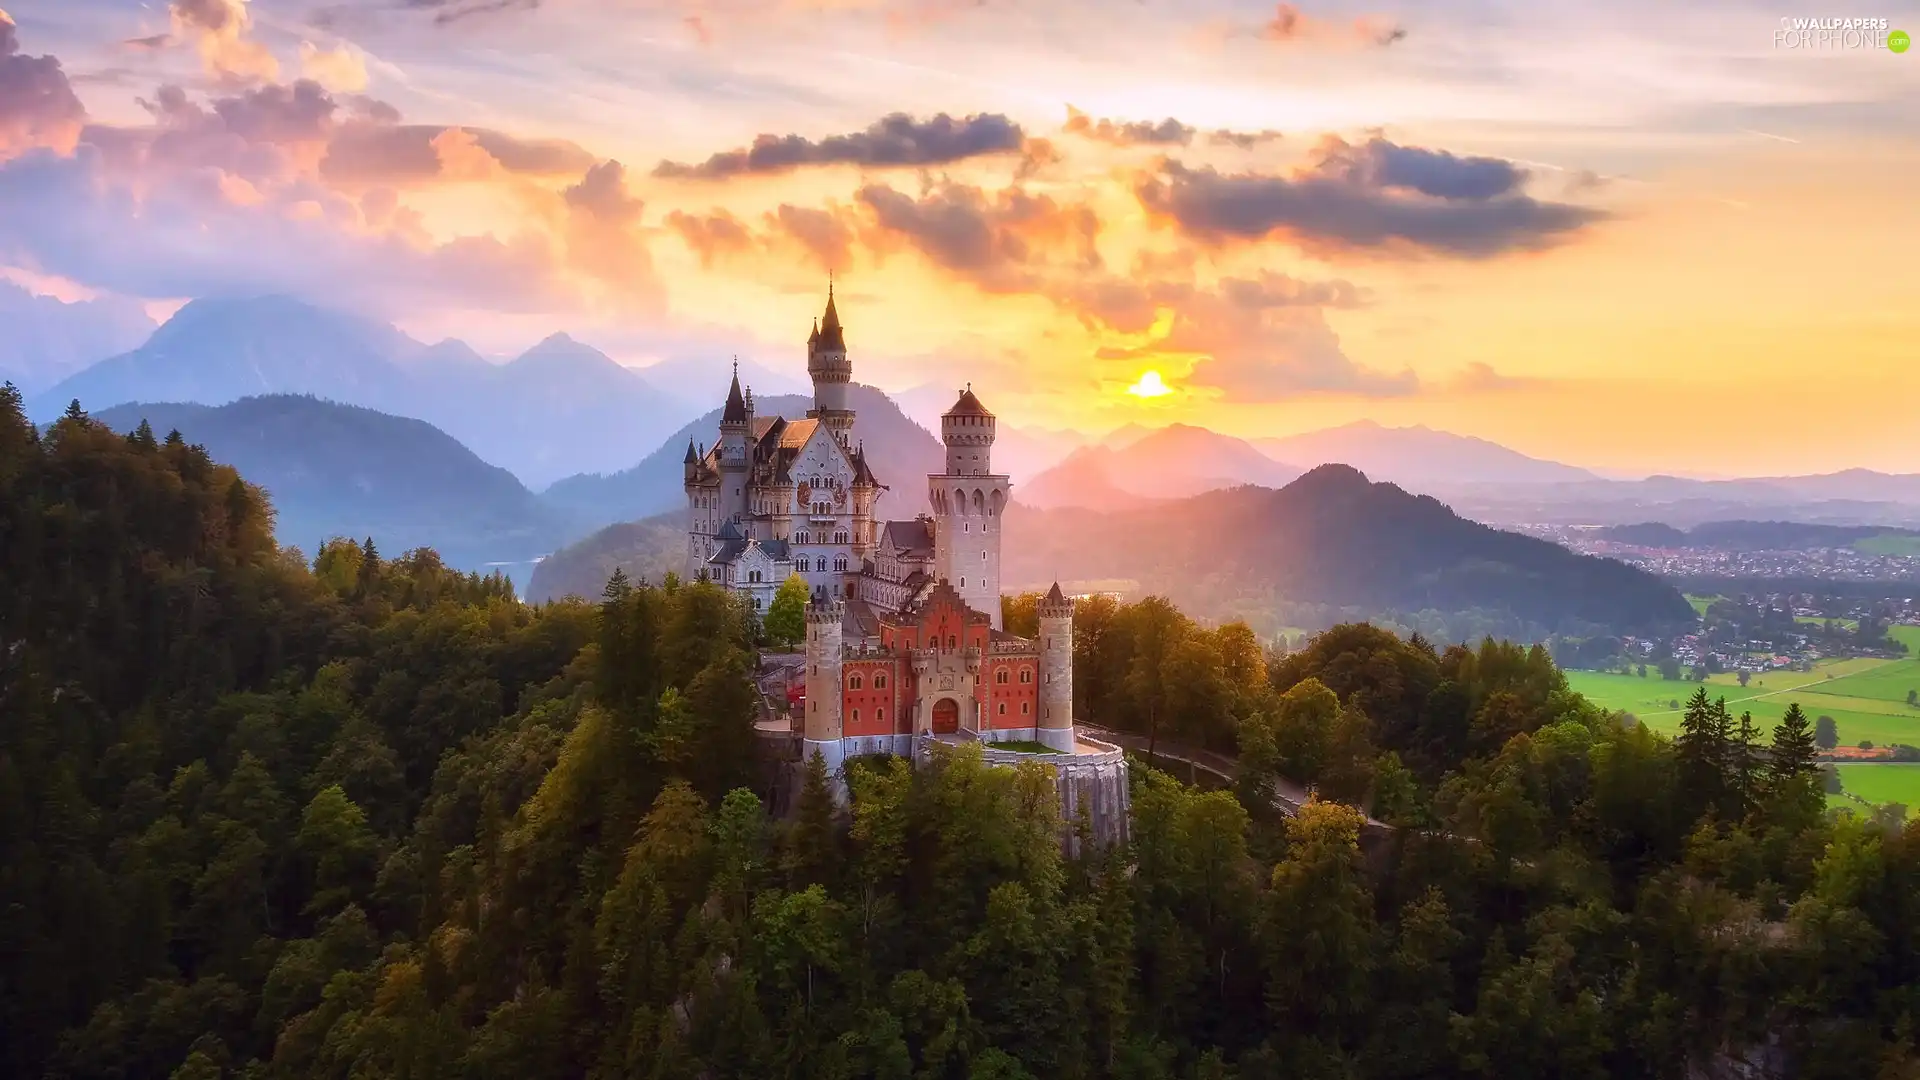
(343, 470)
(562, 407)
(1753, 535)
(1418, 456)
(1167, 463)
(1333, 537)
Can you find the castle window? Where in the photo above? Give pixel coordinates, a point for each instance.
(983, 556)
(879, 682)
(1023, 708)
(820, 563)
(856, 716)
(1000, 676)
(840, 562)
(963, 581)
(1003, 708)
(951, 642)
(802, 538)
(967, 527)
(880, 713)
(853, 681)
(1026, 675)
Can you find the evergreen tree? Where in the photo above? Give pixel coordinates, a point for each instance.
(1704, 753)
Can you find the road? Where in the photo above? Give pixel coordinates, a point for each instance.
(1288, 796)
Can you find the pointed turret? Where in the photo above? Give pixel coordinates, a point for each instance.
(831, 335)
(1055, 597)
(691, 456)
(736, 410)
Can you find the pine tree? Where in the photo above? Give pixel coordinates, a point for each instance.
(810, 855)
(1793, 773)
(1744, 766)
(1702, 752)
(74, 411)
(617, 585)
(142, 437)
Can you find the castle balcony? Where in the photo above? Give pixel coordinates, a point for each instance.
(866, 652)
(1020, 647)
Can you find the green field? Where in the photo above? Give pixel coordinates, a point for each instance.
(1701, 603)
(1889, 544)
(1844, 624)
(1889, 682)
(1908, 634)
(1855, 697)
(1880, 784)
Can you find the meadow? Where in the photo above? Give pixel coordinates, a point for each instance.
(1889, 544)
(1865, 697)
(1879, 784)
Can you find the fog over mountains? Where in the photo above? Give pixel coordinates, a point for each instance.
(561, 407)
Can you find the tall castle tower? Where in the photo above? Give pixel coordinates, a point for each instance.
(831, 370)
(968, 501)
(824, 695)
(1056, 671)
(736, 427)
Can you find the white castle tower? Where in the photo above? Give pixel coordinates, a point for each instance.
(968, 501)
(1056, 671)
(827, 363)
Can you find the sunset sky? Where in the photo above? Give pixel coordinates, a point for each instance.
(1624, 235)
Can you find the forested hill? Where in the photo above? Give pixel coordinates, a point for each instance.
(1332, 538)
(370, 818)
(342, 470)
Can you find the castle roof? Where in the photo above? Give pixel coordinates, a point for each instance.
(968, 405)
(912, 537)
(831, 336)
(1055, 596)
(795, 435)
(736, 410)
(692, 458)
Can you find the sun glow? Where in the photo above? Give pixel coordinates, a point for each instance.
(1150, 386)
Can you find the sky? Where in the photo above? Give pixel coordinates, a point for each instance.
(1634, 235)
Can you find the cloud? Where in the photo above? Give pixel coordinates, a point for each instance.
(998, 240)
(37, 104)
(1252, 339)
(603, 194)
(448, 12)
(893, 141)
(1481, 378)
(823, 234)
(1290, 25)
(376, 150)
(1168, 132)
(219, 28)
(339, 69)
(711, 235)
(1376, 197)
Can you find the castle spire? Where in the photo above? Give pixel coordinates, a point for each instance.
(736, 410)
(831, 336)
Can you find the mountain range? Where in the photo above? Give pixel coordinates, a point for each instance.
(562, 407)
(1330, 537)
(45, 339)
(341, 470)
(1167, 463)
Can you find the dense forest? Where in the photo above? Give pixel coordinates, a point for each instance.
(265, 814)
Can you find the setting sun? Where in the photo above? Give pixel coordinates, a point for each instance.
(1150, 386)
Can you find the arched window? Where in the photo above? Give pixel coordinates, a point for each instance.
(840, 562)
(802, 538)
(880, 682)
(1026, 675)
(1000, 676)
(820, 563)
(952, 643)
(1003, 708)
(1024, 708)
(856, 716)
(880, 713)
(853, 681)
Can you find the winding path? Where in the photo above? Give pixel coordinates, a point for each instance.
(1288, 796)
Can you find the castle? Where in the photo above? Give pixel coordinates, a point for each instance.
(904, 643)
